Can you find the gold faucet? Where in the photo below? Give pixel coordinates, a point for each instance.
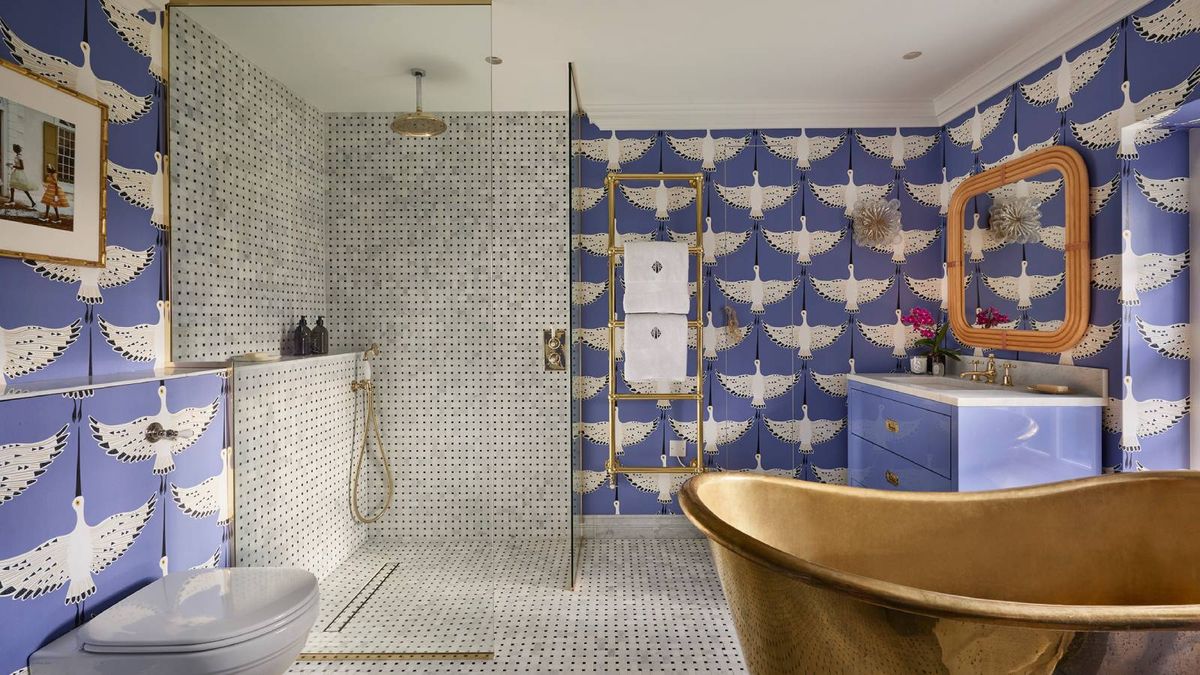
(976, 375)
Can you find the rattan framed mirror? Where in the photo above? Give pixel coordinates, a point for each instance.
(1069, 194)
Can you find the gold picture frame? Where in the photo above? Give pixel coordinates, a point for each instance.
(75, 239)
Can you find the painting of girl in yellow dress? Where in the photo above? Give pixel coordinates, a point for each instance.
(53, 196)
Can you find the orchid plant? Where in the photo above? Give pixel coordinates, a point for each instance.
(933, 334)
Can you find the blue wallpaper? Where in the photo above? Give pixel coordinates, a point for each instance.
(118, 307)
(76, 466)
(807, 335)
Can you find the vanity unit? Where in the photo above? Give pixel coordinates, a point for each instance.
(926, 433)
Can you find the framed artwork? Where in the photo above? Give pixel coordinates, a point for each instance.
(53, 149)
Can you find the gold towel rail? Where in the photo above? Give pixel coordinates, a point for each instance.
(614, 466)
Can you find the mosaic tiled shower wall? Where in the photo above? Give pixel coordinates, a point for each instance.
(293, 461)
(829, 305)
(452, 254)
(250, 249)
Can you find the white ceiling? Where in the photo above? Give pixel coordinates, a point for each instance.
(669, 63)
(356, 59)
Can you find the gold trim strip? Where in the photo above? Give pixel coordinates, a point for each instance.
(317, 3)
(396, 656)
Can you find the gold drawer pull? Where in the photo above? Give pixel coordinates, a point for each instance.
(892, 426)
(891, 477)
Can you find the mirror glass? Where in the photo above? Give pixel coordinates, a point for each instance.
(1014, 247)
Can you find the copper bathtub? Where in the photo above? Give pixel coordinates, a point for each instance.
(1099, 575)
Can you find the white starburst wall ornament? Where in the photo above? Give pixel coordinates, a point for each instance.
(876, 222)
(1015, 219)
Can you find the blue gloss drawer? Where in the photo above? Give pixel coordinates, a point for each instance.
(874, 467)
(920, 435)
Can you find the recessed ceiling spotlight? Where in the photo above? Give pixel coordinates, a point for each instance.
(494, 60)
(911, 55)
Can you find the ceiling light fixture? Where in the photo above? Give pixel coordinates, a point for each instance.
(911, 55)
(494, 60)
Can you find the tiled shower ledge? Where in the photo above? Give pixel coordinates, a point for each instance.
(70, 384)
(243, 364)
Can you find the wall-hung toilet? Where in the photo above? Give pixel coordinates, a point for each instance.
(251, 620)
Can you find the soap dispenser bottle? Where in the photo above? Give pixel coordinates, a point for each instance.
(303, 338)
(320, 337)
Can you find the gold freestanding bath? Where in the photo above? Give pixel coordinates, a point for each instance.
(1099, 575)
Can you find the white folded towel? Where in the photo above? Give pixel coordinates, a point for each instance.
(656, 346)
(656, 277)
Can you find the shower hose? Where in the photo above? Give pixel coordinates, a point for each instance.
(370, 427)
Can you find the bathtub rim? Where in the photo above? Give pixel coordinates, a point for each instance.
(937, 604)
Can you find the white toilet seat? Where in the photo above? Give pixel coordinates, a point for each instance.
(202, 622)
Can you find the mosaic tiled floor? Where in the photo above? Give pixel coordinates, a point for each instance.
(649, 606)
(409, 598)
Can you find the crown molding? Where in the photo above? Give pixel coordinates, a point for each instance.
(827, 114)
(1045, 43)
(1040, 46)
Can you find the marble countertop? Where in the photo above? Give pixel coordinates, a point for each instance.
(962, 393)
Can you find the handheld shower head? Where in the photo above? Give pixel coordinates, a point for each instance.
(371, 352)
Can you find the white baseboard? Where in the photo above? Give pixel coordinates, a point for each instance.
(639, 527)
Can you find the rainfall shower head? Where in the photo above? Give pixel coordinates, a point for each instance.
(418, 124)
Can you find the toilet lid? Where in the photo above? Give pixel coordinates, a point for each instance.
(201, 609)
